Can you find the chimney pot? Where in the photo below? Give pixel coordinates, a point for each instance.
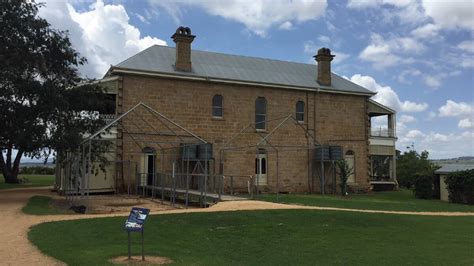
(183, 39)
(324, 58)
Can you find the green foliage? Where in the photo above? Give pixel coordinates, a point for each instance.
(344, 172)
(461, 186)
(42, 108)
(37, 170)
(411, 164)
(423, 187)
(276, 237)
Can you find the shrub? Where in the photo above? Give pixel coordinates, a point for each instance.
(405, 181)
(37, 170)
(411, 164)
(424, 186)
(460, 186)
(344, 172)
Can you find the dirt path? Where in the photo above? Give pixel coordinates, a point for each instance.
(15, 249)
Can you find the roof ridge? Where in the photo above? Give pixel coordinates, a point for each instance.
(234, 55)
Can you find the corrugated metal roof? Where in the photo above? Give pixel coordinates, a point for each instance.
(238, 68)
(449, 168)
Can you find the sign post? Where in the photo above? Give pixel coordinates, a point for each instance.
(135, 223)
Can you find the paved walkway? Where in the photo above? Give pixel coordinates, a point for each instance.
(15, 249)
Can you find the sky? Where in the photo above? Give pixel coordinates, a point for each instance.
(418, 55)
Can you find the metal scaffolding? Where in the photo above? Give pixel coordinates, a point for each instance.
(150, 133)
(264, 142)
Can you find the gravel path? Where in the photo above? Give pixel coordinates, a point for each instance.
(15, 249)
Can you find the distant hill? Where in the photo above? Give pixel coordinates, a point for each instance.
(459, 160)
(32, 164)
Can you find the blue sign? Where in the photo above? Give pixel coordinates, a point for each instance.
(136, 219)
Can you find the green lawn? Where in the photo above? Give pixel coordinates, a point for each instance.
(35, 181)
(402, 200)
(39, 205)
(277, 237)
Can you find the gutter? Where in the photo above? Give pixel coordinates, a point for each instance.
(229, 81)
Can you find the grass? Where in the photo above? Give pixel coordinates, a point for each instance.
(277, 237)
(39, 205)
(402, 200)
(35, 181)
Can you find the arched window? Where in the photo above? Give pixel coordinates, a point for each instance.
(300, 111)
(260, 113)
(217, 107)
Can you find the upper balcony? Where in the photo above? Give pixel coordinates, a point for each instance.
(382, 121)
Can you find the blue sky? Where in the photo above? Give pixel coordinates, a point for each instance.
(417, 55)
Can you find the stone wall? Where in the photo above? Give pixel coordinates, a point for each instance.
(336, 119)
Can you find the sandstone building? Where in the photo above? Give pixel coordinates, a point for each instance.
(281, 122)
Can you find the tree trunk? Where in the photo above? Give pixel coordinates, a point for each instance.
(9, 171)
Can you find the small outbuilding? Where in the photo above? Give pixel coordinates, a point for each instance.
(444, 171)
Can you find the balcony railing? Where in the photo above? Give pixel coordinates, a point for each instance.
(382, 132)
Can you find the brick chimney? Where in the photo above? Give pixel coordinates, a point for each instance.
(324, 58)
(183, 39)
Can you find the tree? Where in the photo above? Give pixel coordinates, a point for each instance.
(344, 172)
(42, 108)
(411, 165)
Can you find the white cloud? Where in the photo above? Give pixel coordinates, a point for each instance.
(466, 123)
(405, 11)
(387, 96)
(451, 14)
(452, 109)
(431, 115)
(310, 47)
(258, 15)
(385, 53)
(432, 81)
(427, 31)
(102, 33)
(339, 57)
(411, 72)
(470, 135)
(287, 25)
(467, 46)
(407, 119)
(142, 18)
(324, 39)
(467, 62)
(413, 134)
(360, 4)
(435, 81)
(439, 145)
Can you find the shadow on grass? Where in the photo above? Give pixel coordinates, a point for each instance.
(40, 205)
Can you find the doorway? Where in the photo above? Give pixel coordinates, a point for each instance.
(261, 167)
(149, 166)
